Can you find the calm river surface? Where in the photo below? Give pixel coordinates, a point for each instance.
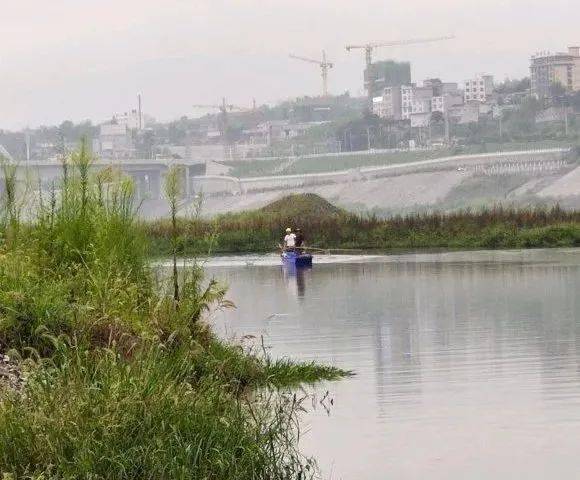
(468, 364)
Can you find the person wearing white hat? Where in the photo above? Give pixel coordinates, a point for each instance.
(289, 240)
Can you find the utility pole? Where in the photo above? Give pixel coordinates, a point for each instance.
(140, 112)
(368, 138)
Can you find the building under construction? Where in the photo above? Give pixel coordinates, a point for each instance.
(384, 74)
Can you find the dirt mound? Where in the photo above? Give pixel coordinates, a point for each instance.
(303, 204)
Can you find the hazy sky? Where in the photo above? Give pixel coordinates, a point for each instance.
(79, 59)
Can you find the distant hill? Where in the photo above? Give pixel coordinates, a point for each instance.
(302, 205)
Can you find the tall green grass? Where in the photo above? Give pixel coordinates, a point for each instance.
(95, 415)
(125, 378)
(327, 227)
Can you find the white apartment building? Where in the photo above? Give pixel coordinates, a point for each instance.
(379, 107)
(415, 100)
(438, 104)
(478, 89)
(401, 103)
(389, 105)
(114, 141)
(132, 120)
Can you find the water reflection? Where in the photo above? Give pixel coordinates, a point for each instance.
(296, 279)
(468, 364)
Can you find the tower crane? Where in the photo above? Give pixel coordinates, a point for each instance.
(369, 47)
(224, 108)
(324, 67)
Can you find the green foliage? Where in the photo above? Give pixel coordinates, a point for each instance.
(328, 227)
(160, 416)
(513, 86)
(126, 380)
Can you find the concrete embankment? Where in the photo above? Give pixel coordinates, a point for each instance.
(542, 176)
(216, 184)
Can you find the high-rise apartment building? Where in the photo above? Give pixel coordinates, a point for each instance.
(389, 73)
(547, 70)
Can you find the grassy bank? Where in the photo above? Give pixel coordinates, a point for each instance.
(124, 378)
(328, 227)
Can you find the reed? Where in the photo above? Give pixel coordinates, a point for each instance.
(125, 379)
(328, 227)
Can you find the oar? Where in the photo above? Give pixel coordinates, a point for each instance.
(327, 250)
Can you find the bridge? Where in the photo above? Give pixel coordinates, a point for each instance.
(147, 175)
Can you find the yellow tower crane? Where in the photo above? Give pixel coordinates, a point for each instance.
(324, 65)
(369, 47)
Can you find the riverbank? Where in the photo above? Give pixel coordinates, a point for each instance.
(124, 377)
(329, 227)
(352, 160)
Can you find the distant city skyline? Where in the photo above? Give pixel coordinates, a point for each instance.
(70, 60)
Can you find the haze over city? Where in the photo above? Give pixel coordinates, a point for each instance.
(83, 60)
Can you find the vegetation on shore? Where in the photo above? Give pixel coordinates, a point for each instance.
(329, 227)
(124, 379)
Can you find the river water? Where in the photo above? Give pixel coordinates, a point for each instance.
(467, 363)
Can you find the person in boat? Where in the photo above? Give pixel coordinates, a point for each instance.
(299, 240)
(289, 241)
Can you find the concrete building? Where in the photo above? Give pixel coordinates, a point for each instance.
(441, 88)
(415, 100)
(450, 88)
(407, 101)
(559, 68)
(389, 104)
(389, 73)
(466, 113)
(132, 120)
(478, 89)
(117, 137)
(114, 141)
(443, 103)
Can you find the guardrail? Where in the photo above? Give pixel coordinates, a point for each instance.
(234, 185)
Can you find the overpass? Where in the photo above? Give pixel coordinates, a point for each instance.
(146, 174)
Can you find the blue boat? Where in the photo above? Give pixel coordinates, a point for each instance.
(297, 259)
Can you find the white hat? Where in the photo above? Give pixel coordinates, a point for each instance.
(288, 230)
